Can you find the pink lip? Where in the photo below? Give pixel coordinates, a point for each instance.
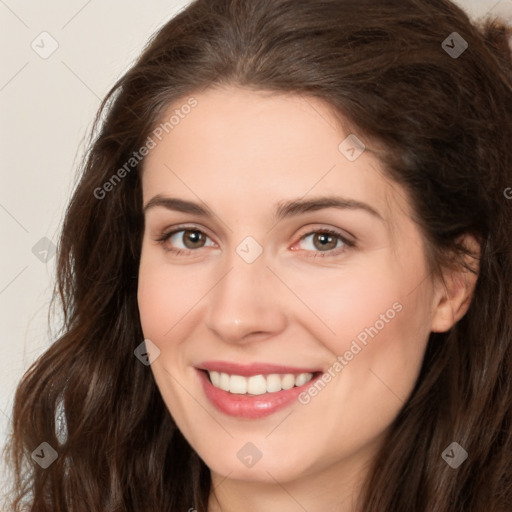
(251, 406)
(247, 370)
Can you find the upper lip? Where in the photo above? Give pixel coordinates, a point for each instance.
(250, 369)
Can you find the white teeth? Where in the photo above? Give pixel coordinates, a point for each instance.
(224, 381)
(257, 384)
(273, 383)
(238, 384)
(288, 381)
(215, 377)
(302, 379)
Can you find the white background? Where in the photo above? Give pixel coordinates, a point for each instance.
(47, 107)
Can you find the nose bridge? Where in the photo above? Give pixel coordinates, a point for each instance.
(245, 300)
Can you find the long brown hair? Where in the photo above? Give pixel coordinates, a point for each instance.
(445, 122)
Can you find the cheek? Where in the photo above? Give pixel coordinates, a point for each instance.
(381, 328)
(378, 318)
(153, 301)
(376, 292)
(348, 301)
(164, 297)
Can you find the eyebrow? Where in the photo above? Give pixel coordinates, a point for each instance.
(283, 209)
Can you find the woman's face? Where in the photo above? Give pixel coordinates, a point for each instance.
(292, 258)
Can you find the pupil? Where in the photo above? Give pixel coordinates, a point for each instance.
(325, 239)
(193, 238)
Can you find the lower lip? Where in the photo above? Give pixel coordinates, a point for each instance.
(250, 406)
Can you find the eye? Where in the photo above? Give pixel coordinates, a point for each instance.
(322, 242)
(184, 240)
(325, 241)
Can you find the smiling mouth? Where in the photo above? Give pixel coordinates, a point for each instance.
(257, 384)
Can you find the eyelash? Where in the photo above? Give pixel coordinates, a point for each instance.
(322, 254)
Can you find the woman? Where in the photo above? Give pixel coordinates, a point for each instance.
(286, 272)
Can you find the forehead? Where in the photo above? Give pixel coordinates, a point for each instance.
(237, 143)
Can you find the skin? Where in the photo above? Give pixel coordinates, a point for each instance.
(241, 153)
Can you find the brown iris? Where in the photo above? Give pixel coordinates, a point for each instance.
(193, 239)
(325, 241)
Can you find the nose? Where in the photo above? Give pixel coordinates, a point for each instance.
(248, 303)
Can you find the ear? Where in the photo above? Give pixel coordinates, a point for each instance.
(454, 290)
